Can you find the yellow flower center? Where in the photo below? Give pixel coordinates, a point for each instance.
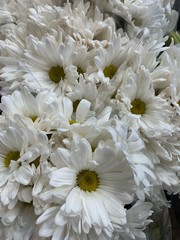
(72, 121)
(56, 74)
(87, 180)
(11, 156)
(138, 107)
(33, 118)
(110, 71)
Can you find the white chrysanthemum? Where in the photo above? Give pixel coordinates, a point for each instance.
(17, 11)
(134, 150)
(51, 64)
(41, 111)
(164, 151)
(83, 184)
(137, 220)
(22, 154)
(110, 59)
(140, 106)
(19, 222)
(78, 20)
(170, 60)
(142, 17)
(10, 72)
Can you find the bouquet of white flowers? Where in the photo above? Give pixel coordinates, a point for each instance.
(90, 122)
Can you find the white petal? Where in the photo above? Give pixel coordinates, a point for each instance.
(82, 110)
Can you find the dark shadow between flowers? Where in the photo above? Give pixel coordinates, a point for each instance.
(175, 215)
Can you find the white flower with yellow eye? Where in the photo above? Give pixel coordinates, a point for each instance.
(90, 188)
(49, 64)
(140, 106)
(22, 154)
(109, 60)
(41, 111)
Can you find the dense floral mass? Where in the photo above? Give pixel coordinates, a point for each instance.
(89, 129)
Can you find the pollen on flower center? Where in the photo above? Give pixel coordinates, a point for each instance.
(138, 107)
(87, 180)
(110, 71)
(11, 156)
(56, 74)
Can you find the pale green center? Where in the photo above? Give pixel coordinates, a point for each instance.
(56, 73)
(33, 118)
(11, 156)
(80, 70)
(87, 180)
(138, 107)
(175, 36)
(36, 162)
(137, 22)
(72, 121)
(110, 71)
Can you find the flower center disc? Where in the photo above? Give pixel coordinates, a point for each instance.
(138, 107)
(11, 156)
(87, 180)
(80, 70)
(33, 118)
(110, 71)
(56, 74)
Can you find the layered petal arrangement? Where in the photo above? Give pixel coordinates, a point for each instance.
(89, 124)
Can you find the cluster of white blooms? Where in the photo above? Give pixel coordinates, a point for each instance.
(90, 122)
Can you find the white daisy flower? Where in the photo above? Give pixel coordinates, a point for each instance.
(50, 64)
(41, 111)
(137, 220)
(164, 151)
(19, 222)
(141, 17)
(22, 153)
(140, 105)
(134, 149)
(78, 20)
(84, 181)
(110, 59)
(10, 72)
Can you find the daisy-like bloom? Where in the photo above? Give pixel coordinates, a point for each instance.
(140, 106)
(22, 154)
(134, 150)
(10, 72)
(16, 12)
(78, 20)
(50, 64)
(109, 60)
(171, 89)
(90, 188)
(164, 151)
(137, 220)
(19, 222)
(142, 17)
(41, 111)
